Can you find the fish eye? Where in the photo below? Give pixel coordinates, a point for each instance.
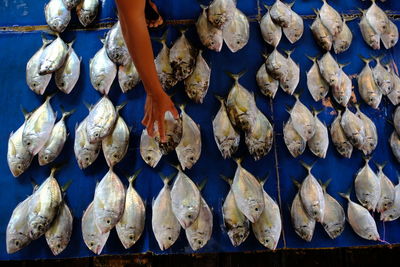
(148, 158)
(169, 238)
(241, 235)
(96, 134)
(39, 227)
(17, 243)
(19, 167)
(189, 216)
(199, 242)
(391, 216)
(191, 158)
(28, 144)
(266, 240)
(45, 157)
(62, 84)
(34, 84)
(115, 156)
(98, 84)
(91, 244)
(87, 159)
(58, 246)
(108, 221)
(238, 42)
(97, 151)
(131, 237)
(256, 209)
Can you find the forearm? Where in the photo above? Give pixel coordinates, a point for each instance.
(134, 29)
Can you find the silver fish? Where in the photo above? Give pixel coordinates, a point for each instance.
(196, 85)
(259, 139)
(294, 142)
(225, 136)
(166, 227)
(57, 15)
(391, 36)
(59, 233)
(291, 80)
(371, 134)
(38, 127)
(303, 225)
(182, 57)
(276, 65)
(36, 82)
(354, 128)
(267, 229)
(241, 106)
(108, 201)
(53, 56)
(131, 225)
(394, 142)
(331, 19)
(101, 120)
(382, 77)
(55, 143)
(209, 35)
(295, 29)
(220, 12)
(342, 92)
(188, 150)
(342, 41)
(361, 220)
(377, 18)
(271, 32)
(92, 236)
(236, 32)
(87, 11)
(163, 66)
(319, 143)
(334, 216)
(173, 133)
(268, 85)
(70, 4)
(67, 76)
(367, 87)
(102, 71)
(316, 84)
(248, 193)
(372, 38)
(115, 45)
(393, 213)
(329, 69)
(185, 197)
(85, 152)
(128, 76)
(43, 206)
(367, 187)
(302, 119)
(321, 34)
(339, 138)
(394, 95)
(396, 120)
(149, 149)
(388, 194)
(281, 13)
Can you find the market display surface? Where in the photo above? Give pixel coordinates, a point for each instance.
(288, 126)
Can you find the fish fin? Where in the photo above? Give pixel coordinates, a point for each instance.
(380, 166)
(65, 187)
(226, 179)
(202, 184)
(133, 177)
(237, 76)
(345, 20)
(13, 149)
(306, 166)
(121, 106)
(296, 183)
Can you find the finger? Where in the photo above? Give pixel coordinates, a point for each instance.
(174, 112)
(145, 119)
(161, 128)
(150, 128)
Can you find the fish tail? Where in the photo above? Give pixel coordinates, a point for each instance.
(290, 5)
(226, 179)
(346, 195)
(380, 166)
(202, 184)
(307, 166)
(316, 11)
(70, 44)
(296, 183)
(66, 114)
(50, 96)
(265, 55)
(342, 65)
(267, 7)
(237, 76)
(366, 60)
(87, 105)
(35, 185)
(220, 98)
(316, 111)
(177, 166)
(264, 180)
(133, 177)
(238, 160)
(121, 106)
(378, 58)
(326, 184)
(45, 41)
(163, 38)
(182, 107)
(313, 59)
(166, 179)
(203, 7)
(65, 187)
(289, 52)
(367, 158)
(56, 168)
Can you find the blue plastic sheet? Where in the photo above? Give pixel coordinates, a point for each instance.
(18, 47)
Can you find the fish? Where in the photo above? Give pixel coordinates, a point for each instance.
(248, 193)
(377, 18)
(241, 105)
(260, 138)
(331, 19)
(372, 38)
(281, 13)
(149, 149)
(115, 45)
(173, 133)
(388, 193)
(321, 34)
(85, 152)
(342, 41)
(44, 206)
(166, 227)
(220, 12)
(128, 76)
(343, 91)
(316, 84)
(186, 199)
(394, 95)
(131, 225)
(360, 220)
(371, 134)
(354, 128)
(163, 66)
(67, 76)
(367, 187)
(60, 231)
(92, 236)
(339, 138)
(394, 142)
(108, 201)
(267, 229)
(225, 135)
(312, 196)
(53, 56)
(367, 87)
(294, 31)
(236, 224)
(102, 71)
(319, 143)
(276, 65)
(294, 142)
(87, 11)
(36, 82)
(101, 120)
(57, 15)
(116, 144)
(55, 143)
(334, 216)
(209, 35)
(236, 32)
(302, 119)
(303, 225)
(188, 150)
(291, 80)
(268, 85)
(38, 127)
(391, 36)
(329, 69)
(196, 85)
(271, 32)
(182, 57)
(382, 77)
(396, 120)
(392, 213)
(70, 4)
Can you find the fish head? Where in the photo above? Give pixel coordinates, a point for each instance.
(37, 86)
(187, 216)
(128, 237)
(115, 157)
(95, 134)
(100, 84)
(296, 148)
(95, 243)
(238, 234)
(86, 16)
(334, 230)
(268, 239)
(255, 209)
(87, 157)
(214, 42)
(371, 233)
(30, 141)
(151, 157)
(198, 240)
(197, 93)
(106, 220)
(357, 139)
(19, 165)
(342, 45)
(374, 41)
(345, 149)
(45, 157)
(167, 237)
(317, 212)
(38, 226)
(16, 242)
(368, 146)
(305, 231)
(386, 204)
(189, 157)
(57, 243)
(57, 24)
(45, 67)
(389, 215)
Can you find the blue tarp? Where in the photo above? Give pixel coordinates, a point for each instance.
(18, 47)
